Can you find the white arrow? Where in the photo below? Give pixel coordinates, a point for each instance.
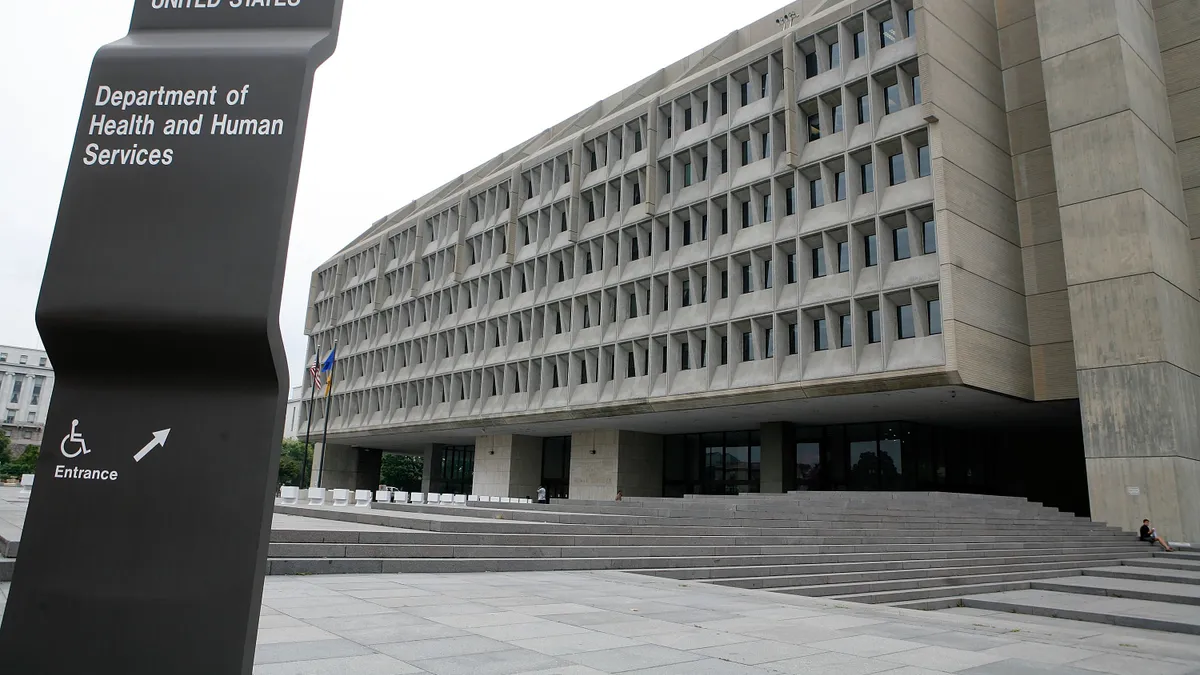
(160, 438)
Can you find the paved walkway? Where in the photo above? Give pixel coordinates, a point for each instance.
(584, 623)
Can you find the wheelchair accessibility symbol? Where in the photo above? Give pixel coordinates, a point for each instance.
(75, 438)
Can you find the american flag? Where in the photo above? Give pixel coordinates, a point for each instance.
(315, 371)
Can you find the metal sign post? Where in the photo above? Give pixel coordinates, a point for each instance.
(145, 542)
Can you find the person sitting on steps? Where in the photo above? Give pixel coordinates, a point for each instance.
(1149, 534)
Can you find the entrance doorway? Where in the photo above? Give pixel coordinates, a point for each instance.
(556, 466)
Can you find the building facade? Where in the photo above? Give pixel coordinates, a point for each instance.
(292, 427)
(910, 244)
(26, 382)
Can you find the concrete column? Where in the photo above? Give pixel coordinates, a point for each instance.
(507, 465)
(427, 469)
(1131, 282)
(777, 471)
(606, 460)
(346, 467)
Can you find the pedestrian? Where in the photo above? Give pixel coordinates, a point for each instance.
(542, 498)
(1149, 534)
(620, 495)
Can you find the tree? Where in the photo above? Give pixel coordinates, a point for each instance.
(15, 468)
(402, 472)
(294, 456)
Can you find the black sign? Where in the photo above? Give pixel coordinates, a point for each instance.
(145, 542)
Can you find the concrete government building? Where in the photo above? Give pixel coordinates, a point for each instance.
(897, 245)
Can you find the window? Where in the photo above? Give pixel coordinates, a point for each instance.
(554, 377)
(630, 365)
(818, 262)
(667, 180)
(31, 417)
(724, 284)
(591, 211)
(666, 300)
(745, 91)
(704, 168)
(562, 272)
(789, 198)
(634, 252)
(762, 88)
(934, 308)
(891, 99)
(592, 156)
(887, 32)
(724, 102)
(566, 174)
(839, 121)
(839, 179)
(814, 127)
(843, 256)
(637, 141)
(524, 285)
(637, 199)
(746, 214)
(724, 221)
(864, 109)
(916, 88)
(816, 193)
(685, 363)
(42, 362)
(860, 44)
(873, 326)
(745, 152)
(724, 350)
(820, 340)
(36, 395)
(929, 237)
(703, 111)
(687, 174)
(18, 380)
(769, 343)
(669, 121)
(633, 305)
(704, 289)
(687, 232)
(872, 250)
(900, 243)
(686, 292)
(810, 65)
(747, 279)
(663, 360)
(558, 324)
(844, 320)
(747, 346)
(587, 316)
(3, 357)
(704, 228)
(724, 160)
(793, 339)
(703, 353)
(766, 144)
(866, 178)
(766, 208)
(923, 160)
(10, 416)
(687, 119)
(835, 56)
(767, 274)
(791, 268)
(896, 168)
(911, 17)
(904, 322)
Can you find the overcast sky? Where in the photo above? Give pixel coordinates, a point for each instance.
(416, 94)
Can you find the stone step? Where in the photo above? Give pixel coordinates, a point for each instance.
(1135, 589)
(864, 590)
(867, 562)
(777, 510)
(1130, 613)
(814, 537)
(473, 551)
(950, 593)
(935, 569)
(1155, 561)
(1125, 571)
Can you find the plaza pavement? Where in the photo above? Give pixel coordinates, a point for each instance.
(584, 623)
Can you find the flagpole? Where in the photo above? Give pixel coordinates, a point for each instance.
(311, 400)
(328, 404)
